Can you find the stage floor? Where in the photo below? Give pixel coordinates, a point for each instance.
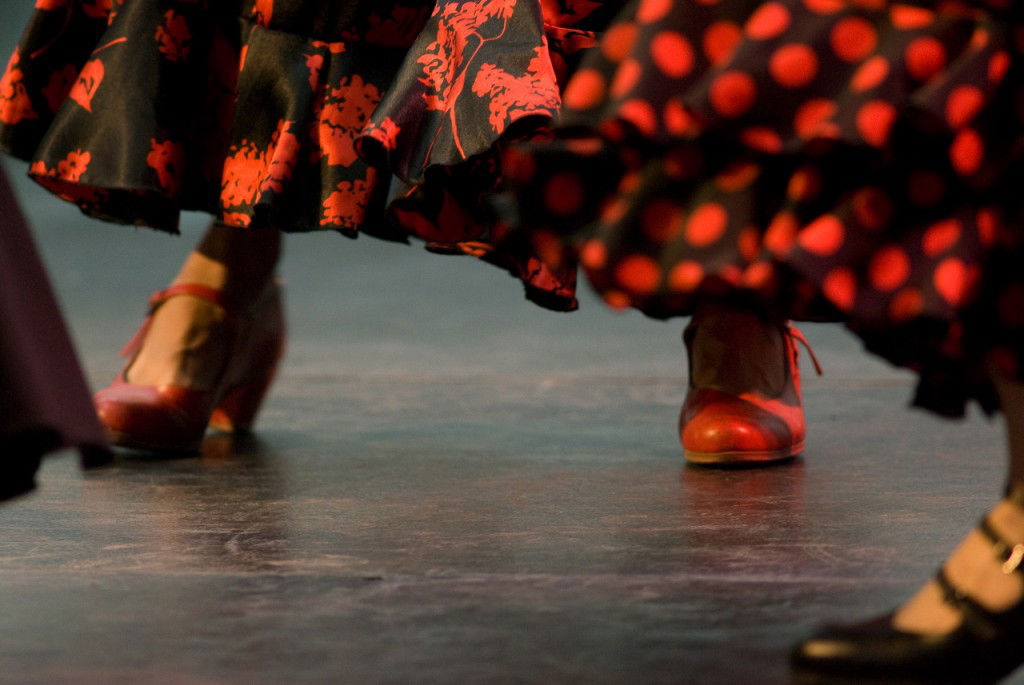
(449, 485)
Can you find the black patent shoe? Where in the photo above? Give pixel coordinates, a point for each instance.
(984, 648)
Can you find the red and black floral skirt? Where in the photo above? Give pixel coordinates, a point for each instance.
(383, 116)
(834, 160)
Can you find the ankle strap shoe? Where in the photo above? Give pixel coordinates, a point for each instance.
(169, 418)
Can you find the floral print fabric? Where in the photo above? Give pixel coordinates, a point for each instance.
(845, 160)
(378, 117)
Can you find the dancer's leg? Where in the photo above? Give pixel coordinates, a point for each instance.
(973, 568)
(184, 346)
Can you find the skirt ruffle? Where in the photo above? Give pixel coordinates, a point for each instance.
(851, 161)
(301, 115)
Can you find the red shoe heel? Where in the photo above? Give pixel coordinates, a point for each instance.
(237, 411)
(175, 419)
(721, 428)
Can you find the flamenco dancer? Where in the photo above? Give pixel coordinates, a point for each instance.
(823, 159)
(298, 115)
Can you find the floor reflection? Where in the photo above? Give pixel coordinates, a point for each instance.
(223, 509)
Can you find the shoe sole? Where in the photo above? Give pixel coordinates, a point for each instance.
(741, 457)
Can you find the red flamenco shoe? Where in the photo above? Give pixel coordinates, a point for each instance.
(168, 418)
(717, 427)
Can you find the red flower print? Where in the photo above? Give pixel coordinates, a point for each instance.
(282, 156)
(73, 166)
(345, 111)
(346, 206)
(70, 168)
(173, 37)
(168, 160)
(442, 58)
(89, 80)
(250, 172)
(50, 4)
(15, 104)
(236, 219)
(385, 133)
(314, 63)
(61, 81)
(262, 11)
(243, 173)
(515, 97)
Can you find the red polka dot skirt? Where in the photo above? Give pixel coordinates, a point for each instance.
(827, 159)
(383, 117)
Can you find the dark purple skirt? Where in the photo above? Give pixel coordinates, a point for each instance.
(44, 401)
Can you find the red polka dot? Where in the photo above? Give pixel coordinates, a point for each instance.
(823, 236)
(749, 243)
(626, 76)
(706, 224)
(925, 188)
(618, 41)
(593, 255)
(733, 93)
(638, 274)
(720, 39)
(840, 287)
(925, 56)
(804, 184)
(616, 299)
(564, 193)
(652, 10)
(908, 17)
(672, 54)
(780, 235)
(824, 6)
(874, 120)
(641, 114)
(812, 116)
(737, 176)
(967, 152)
(762, 139)
(585, 147)
(768, 21)
(870, 75)
(940, 237)
(585, 90)
(548, 247)
(759, 275)
(889, 269)
(979, 39)
(662, 220)
(612, 212)
(997, 66)
(987, 226)
(678, 121)
(906, 304)
(794, 65)
(685, 276)
(872, 208)
(853, 39)
(950, 280)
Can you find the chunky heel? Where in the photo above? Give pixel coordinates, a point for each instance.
(237, 411)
